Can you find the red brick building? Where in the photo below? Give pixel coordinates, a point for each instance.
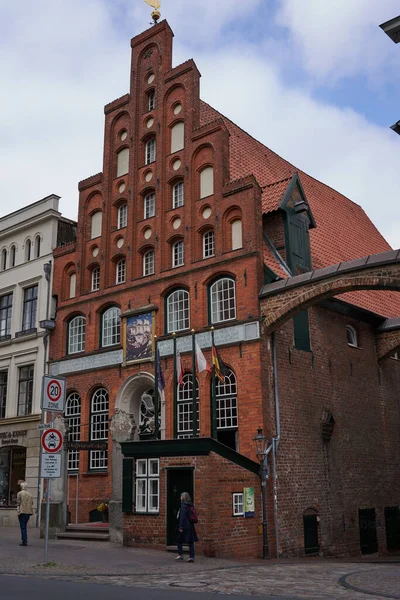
(187, 222)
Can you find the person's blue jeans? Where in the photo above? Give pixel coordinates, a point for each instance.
(191, 548)
(23, 521)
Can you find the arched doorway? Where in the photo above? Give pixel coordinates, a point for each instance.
(136, 397)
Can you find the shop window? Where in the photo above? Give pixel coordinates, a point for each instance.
(96, 223)
(25, 390)
(76, 335)
(178, 254)
(111, 327)
(95, 279)
(148, 263)
(12, 470)
(185, 407)
(222, 297)
(120, 271)
(37, 246)
(147, 485)
(5, 315)
(72, 285)
(178, 194)
(3, 259)
(122, 162)
(3, 393)
(178, 311)
(237, 238)
(98, 459)
(12, 256)
(122, 215)
(177, 137)
(149, 205)
(351, 336)
(208, 244)
(28, 250)
(73, 422)
(150, 151)
(206, 182)
(30, 308)
(237, 504)
(227, 413)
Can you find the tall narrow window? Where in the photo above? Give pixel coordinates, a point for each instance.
(351, 336)
(177, 137)
(73, 422)
(76, 335)
(223, 300)
(3, 393)
(30, 308)
(237, 241)
(37, 246)
(148, 263)
(72, 285)
(208, 244)
(96, 279)
(178, 311)
(185, 407)
(151, 100)
(122, 216)
(150, 153)
(206, 182)
(111, 327)
(28, 250)
(150, 205)
(178, 194)
(25, 390)
(12, 256)
(96, 222)
(227, 414)
(3, 259)
(178, 254)
(122, 162)
(5, 315)
(120, 275)
(98, 459)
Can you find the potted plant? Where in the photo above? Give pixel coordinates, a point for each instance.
(103, 508)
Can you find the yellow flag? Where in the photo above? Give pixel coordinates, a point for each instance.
(153, 3)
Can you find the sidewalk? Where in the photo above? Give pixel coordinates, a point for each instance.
(102, 562)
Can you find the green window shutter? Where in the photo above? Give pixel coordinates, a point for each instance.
(127, 485)
(301, 331)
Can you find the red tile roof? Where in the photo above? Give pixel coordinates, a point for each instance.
(343, 231)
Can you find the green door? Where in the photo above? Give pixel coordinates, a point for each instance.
(178, 480)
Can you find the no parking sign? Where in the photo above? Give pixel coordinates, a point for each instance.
(53, 396)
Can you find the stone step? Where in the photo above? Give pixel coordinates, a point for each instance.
(88, 528)
(90, 536)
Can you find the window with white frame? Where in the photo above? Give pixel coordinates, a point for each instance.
(178, 311)
(178, 194)
(122, 162)
(122, 215)
(111, 327)
(95, 279)
(178, 254)
(147, 485)
(5, 315)
(76, 334)
(226, 395)
(351, 336)
(73, 422)
(238, 504)
(149, 205)
(206, 182)
(177, 137)
(3, 393)
(150, 153)
(25, 390)
(223, 300)
(98, 459)
(148, 263)
(120, 271)
(72, 285)
(29, 311)
(151, 100)
(96, 221)
(185, 407)
(208, 244)
(237, 237)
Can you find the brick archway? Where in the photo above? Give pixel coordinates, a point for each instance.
(388, 341)
(282, 299)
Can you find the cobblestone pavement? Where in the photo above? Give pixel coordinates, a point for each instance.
(104, 563)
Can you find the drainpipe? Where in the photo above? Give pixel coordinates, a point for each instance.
(276, 439)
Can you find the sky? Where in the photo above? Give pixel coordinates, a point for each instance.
(321, 78)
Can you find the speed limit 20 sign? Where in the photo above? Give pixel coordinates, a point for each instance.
(53, 396)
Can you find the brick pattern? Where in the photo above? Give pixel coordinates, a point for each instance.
(387, 343)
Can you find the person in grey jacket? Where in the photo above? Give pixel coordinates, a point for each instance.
(186, 531)
(24, 511)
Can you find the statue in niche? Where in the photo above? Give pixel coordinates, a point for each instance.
(146, 416)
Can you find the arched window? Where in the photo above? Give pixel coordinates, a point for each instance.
(151, 100)
(227, 413)
(206, 182)
(3, 259)
(96, 221)
(122, 215)
(120, 271)
(98, 459)
(150, 151)
(12, 256)
(73, 422)
(178, 311)
(178, 254)
(72, 285)
(37, 246)
(76, 334)
(351, 336)
(177, 137)
(95, 279)
(237, 241)
(223, 300)
(178, 194)
(122, 162)
(148, 263)
(185, 407)
(28, 250)
(111, 327)
(208, 244)
(149, 205)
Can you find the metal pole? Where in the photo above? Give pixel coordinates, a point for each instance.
(48, 491)
(175, 384)
(275, 491)
(156, 394)
(194, 385)
(213, 392)
(76, 498)
(276, 440)
(264, 516)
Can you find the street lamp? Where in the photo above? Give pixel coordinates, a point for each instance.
(262, 451)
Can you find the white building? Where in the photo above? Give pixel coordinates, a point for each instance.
(27, 239)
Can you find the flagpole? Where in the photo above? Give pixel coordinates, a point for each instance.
(213, 392)
(156, 394)
(175, 390)
(194, 384)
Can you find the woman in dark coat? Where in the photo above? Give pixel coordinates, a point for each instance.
(186, 531)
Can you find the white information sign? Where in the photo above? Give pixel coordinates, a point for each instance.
(53, 397)
(50, 466)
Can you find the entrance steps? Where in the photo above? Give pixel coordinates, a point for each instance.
(94, 532)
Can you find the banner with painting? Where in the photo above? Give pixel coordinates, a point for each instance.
(139, 334)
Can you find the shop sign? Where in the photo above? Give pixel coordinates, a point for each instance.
(248, 497)
(86, 445)
(10, 438)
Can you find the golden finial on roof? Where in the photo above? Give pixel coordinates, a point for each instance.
(156, 5)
